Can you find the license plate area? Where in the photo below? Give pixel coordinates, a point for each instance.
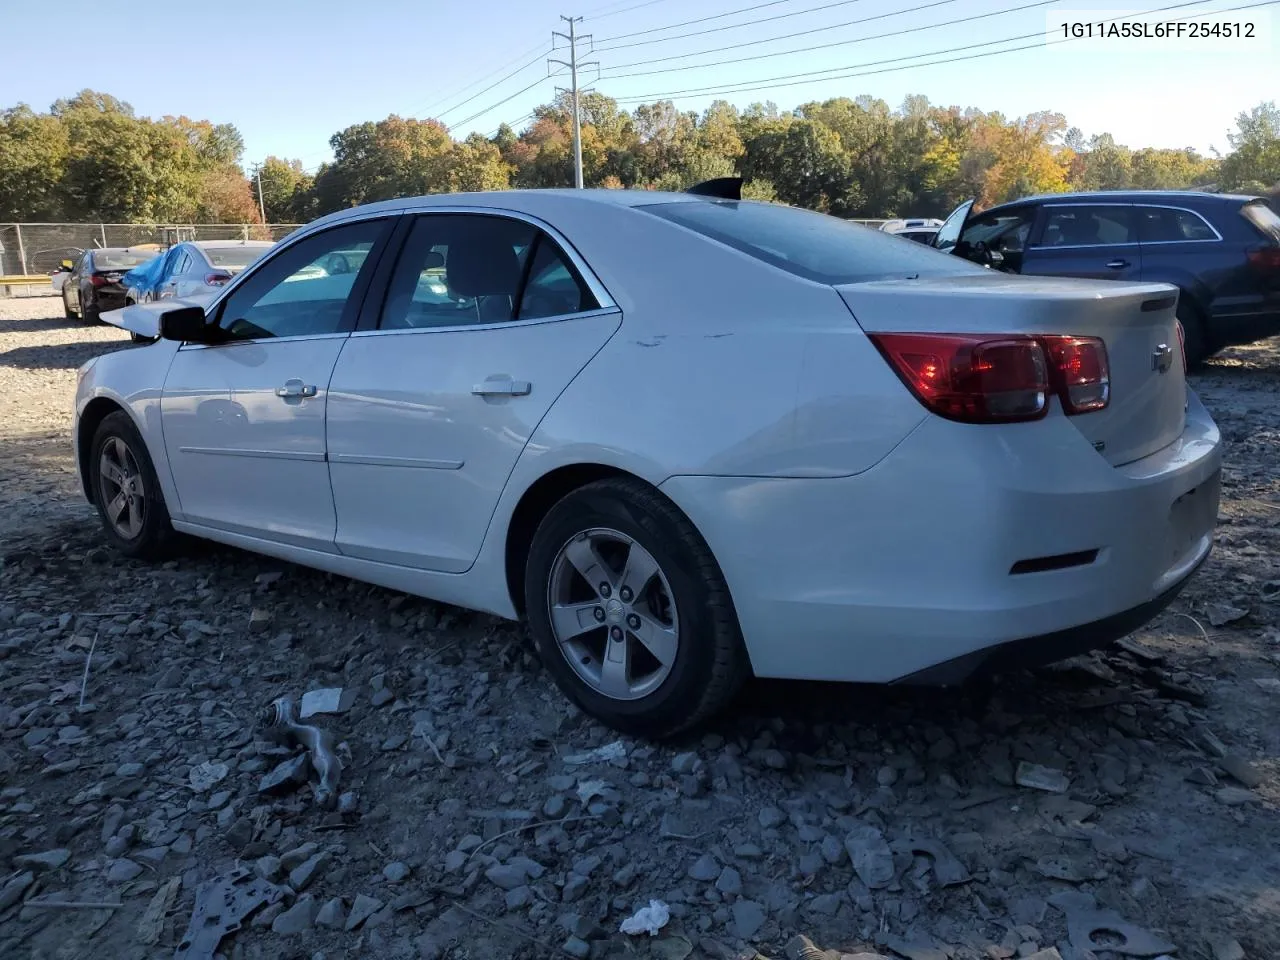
(1191, 516)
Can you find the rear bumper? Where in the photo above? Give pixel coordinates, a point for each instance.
(911, 564)
(1050, 647)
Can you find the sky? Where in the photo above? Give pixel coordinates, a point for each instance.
(291, 73)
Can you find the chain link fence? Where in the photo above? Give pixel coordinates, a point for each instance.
(36, 248)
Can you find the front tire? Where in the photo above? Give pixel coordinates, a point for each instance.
(127, 492)
(630, 611)
(67, 312)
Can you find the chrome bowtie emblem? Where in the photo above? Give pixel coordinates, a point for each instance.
(1162, 358)
(613, 611)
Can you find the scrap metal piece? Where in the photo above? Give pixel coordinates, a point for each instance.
(222, 904)
(1084, 925)
(946, 867)
(282, 722)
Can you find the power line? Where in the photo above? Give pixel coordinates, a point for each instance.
(614, 13)
(494, 106)
(752, 23)
(509, 123)
(714, 16)
(820, 46)
(767, 83)
(535, 52)
(497, 83)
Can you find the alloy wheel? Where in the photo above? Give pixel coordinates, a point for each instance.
(121, 488)
(613, 614)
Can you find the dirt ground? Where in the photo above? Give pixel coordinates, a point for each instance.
(476, 822)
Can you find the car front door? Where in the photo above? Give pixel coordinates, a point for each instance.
(486, 320)
(1098, 240)
(243, 415)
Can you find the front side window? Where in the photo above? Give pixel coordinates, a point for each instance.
(1166, 225)
(458, 269)
(1084, 226)
(295, 295)
(812, 245)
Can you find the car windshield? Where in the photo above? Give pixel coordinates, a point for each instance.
(233, 256)
(120, 259)
(815, 246)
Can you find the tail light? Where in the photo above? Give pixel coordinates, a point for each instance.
(976, 378)
(98, 281)
(216, 279)
(1265, 259)
(1083, 376)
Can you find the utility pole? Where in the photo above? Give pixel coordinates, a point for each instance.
(262, 206)
(574, 65)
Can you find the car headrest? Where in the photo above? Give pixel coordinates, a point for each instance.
(480, 266)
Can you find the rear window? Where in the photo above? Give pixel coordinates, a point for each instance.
(120, 259)
(1264, 218)
(234, 256)
(812, 245)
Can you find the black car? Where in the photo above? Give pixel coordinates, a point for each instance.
(93, 282)
(1221, 251)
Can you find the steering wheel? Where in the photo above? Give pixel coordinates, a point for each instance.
(338, 264)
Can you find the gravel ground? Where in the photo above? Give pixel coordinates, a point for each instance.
(1133, 793)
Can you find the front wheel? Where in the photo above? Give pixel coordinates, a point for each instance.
(630, 610)
(67, 312)
(126, 490)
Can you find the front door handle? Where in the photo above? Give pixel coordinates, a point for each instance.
(294, 388)
(1117, 264)
(502, 387)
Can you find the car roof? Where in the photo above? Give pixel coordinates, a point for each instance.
(223, 244)
(146, 248)
(532, 202)
(1123, 196)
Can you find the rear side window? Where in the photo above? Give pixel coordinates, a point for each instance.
(461, 269)
(1166, 225)
(1083, 226)
(815, 246)
(1263, 218)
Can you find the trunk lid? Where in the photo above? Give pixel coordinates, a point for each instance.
(1147, 408)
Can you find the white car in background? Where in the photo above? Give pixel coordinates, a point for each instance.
(197, 269)
(810, 450)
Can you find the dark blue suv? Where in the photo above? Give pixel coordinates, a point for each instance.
(1222, 252)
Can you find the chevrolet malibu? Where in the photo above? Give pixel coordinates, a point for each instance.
(686, 438)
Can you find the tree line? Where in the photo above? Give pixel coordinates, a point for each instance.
(91, 158)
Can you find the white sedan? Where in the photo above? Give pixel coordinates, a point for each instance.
(687, 438)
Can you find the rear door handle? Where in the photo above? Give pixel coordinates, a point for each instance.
(295, 388)
(502, 387)
(1117, 264)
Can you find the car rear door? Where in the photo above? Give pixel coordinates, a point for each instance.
(1077, 239)
(487, 318)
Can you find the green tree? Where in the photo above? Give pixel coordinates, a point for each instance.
(33, 163)
(1254, 163)
(286, 187)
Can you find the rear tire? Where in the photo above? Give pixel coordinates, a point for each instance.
(89, 313)
(673, 594)
(1195, 337)
(127, 492)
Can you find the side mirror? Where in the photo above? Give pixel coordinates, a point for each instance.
(185, 324)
